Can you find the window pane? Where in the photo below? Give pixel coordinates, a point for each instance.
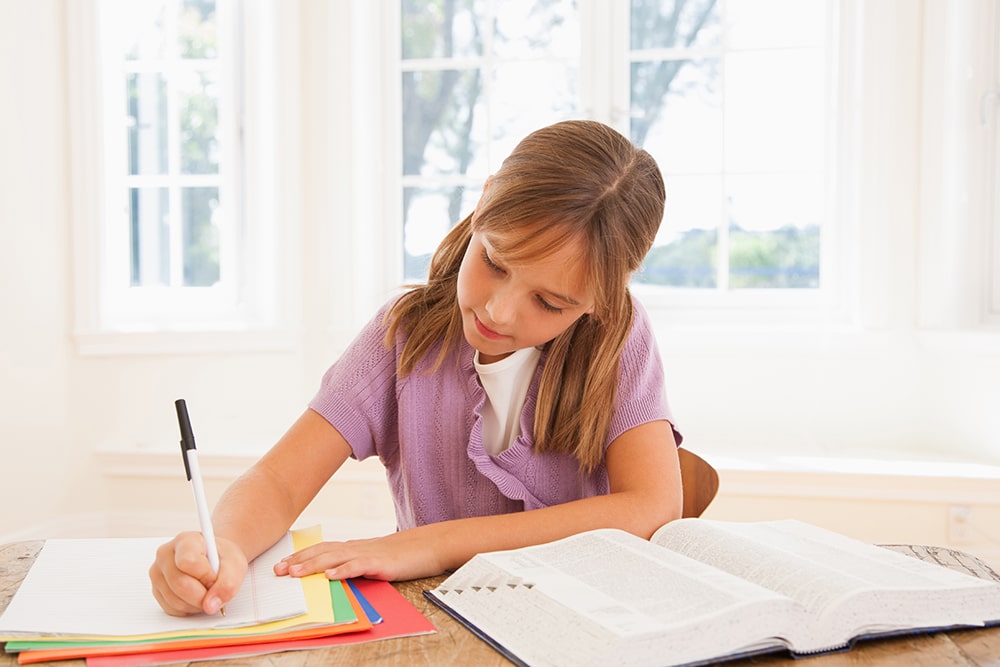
(749, 113)
(478, 76)
(440, 135)
(530, 95)
(428, 215)
(531, 28)
(685, 253)
(677, 113)
(197, 29)
(774, 110)
(774, 230)
(441, 28)
(772, 24)
(689, 261)
(147, 124)
(201, 236)
(142, 27)
(664, 24)
(198, 96)
(149, 227)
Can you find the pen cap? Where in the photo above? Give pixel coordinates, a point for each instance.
(187, 435)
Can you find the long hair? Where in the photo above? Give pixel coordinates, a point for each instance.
(572, 180)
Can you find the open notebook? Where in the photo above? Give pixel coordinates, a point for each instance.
(101, 587)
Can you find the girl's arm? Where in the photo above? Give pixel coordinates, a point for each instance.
(253, 513)
(645, 493)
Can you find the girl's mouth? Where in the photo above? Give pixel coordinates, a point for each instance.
(486, 332)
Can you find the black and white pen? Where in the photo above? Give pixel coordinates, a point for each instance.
(190, 455)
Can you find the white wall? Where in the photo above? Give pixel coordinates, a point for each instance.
(882, 389)
(60, 408)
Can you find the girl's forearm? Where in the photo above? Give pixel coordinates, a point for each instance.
(455, 542)
(253, 513)
(645, 493)
(257, 509)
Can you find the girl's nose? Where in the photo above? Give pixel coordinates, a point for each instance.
(500, 307)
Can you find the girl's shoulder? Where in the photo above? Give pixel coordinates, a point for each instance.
(642, 326)
(640, 352)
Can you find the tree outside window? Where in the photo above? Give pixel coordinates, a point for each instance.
(729, 97)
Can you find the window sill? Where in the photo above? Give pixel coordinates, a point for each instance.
(914, 480)
(159, 463)
(978, 479)
(737, 338)
(183, 342)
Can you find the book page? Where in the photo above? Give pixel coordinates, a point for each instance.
(101, 587)
(822, 570)
(604, 594)
(945, 557)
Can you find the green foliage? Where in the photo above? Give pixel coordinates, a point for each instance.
(199, 127)
(786, 257)
(198, 30)
(783, 258)
(689, 261)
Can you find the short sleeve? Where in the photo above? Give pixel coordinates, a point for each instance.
(357, 394)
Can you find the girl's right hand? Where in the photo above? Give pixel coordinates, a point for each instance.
(182, 578)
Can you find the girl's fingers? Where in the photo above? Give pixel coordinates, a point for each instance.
(343, 560)
(177, 593)
(232, 570)
(317, 558)
(358, 567)
(191, 558)
(183, 580)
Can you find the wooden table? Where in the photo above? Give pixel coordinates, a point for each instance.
(454, 645)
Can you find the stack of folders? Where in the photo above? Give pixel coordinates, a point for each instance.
(90, 598)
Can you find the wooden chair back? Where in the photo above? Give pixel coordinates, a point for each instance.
(700, 482)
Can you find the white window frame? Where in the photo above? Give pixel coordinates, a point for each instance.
(677, 306)
(252, 312)
(874, 278)
(605, 97)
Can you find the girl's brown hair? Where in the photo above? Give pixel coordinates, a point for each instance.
(575, 179)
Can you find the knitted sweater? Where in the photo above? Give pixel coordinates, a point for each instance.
(426, 428)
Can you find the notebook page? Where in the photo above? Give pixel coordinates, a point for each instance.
(101, 587)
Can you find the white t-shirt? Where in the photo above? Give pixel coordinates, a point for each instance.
(506, 383)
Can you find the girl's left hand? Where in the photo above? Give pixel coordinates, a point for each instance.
(397, 557)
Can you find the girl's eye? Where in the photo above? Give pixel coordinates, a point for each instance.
(490, 263)
(548, 306)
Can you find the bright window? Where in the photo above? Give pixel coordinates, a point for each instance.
(172, 71)
(475, 78)
(733, 103)
(169, 96)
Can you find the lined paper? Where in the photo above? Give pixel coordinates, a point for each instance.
(101, 587)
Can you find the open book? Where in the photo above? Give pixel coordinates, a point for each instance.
(703, 590)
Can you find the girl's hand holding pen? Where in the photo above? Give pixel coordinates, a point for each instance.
(183, 580)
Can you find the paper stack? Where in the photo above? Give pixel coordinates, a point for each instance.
(90, 598)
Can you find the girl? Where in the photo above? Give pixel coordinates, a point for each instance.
(522, 376)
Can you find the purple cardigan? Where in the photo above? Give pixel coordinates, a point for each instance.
(426, 428)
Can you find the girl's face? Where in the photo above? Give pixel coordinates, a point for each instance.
(511, 307)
